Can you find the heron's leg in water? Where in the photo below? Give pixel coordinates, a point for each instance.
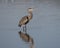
(25, 29)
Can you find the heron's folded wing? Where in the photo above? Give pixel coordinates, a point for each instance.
(23, 20)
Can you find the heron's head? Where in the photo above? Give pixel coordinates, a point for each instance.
(30, 10)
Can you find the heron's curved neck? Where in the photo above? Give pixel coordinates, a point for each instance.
(30, 14)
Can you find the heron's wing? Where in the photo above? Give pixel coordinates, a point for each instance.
(23, 20)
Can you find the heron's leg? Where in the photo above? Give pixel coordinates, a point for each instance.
(25, 29)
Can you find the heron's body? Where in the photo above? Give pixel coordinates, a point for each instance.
(23, 21)
(26, 19)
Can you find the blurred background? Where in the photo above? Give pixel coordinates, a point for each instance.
(44, 28)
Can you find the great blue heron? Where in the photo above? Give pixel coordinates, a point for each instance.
(26, 37)
(26, 19)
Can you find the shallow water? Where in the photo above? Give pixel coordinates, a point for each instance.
(44, 27)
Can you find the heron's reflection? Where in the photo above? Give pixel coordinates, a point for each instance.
(27, 38)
